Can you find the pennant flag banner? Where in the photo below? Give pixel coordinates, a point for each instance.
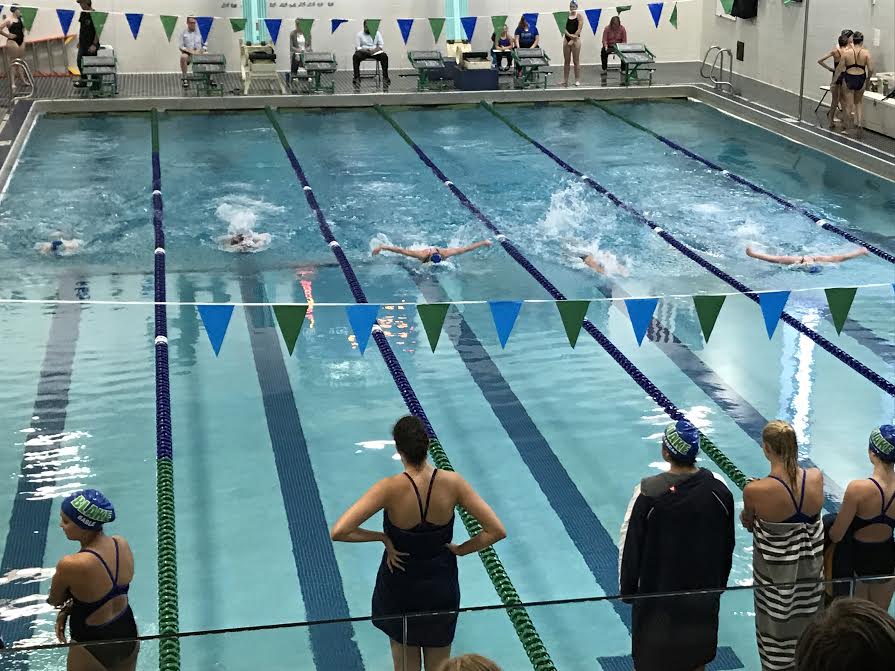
(273, 27)
(640, 312)
(404, 25)
(169, 23)
(306, 25)
(498, 22)
(432, 315)
(437, 25)
(134, 21)
(772, 304)
(572, 314)
(335, 23)
(238, 25)
(504, 314)
(707, 309)
(531, 18)
(66, 16)
(290, 319)
(840, 301)
(205, 23)
(216, 319)
(593, 17)
(28, 14)
(362, 317)
(655, 8)
(373, 25)
(673, 19)
(99, 22)
(561, 18)
(727, 6)
(469, 25)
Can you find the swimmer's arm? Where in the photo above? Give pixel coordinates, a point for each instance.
(823, 61)
(492, 528)
(839, 258)
(59, 588)
(839, 68)
(747, 517)
(347, 528)
(870, 70)
(454, 251)
(412, 253)
(591, 262)
(847, 512)
(770, 258)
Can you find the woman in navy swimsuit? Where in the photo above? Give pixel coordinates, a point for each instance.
(856, 67)
(418, 571)
(90, 588)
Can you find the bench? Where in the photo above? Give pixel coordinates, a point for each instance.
(100, 76)
(636, 60)
(317, 64)
(204, 69)
(426, 63)
(528, 72)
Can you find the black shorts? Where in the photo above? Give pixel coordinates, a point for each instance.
(874, 558)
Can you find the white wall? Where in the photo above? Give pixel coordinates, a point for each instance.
(152, 52)
(773, 40)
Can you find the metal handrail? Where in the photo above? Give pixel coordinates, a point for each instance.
(20, 63)
(718, 81)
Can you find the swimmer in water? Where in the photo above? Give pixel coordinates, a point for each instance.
(245, 242)
(806, 262)
(431, 254)
(59, 247)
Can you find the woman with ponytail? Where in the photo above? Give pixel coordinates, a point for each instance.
(783, 513)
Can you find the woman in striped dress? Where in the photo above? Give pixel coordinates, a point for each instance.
(783, 513)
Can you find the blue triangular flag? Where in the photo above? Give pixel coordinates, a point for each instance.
(469, 25)
(362, 317)
(532, 19)
(134, 21)
(273, 27)
(405, 25)
(593, 17)
(655, 8)
(65, 18)
(204, 26)
(216, 319)
(504, 314)
(335, 23)
(772, 304)
(640, 312)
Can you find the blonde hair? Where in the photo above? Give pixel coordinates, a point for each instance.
(780, 439)
(469, 663)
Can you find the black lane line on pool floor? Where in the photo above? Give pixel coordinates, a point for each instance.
(843, 356)
(26, 539)
(315, 560)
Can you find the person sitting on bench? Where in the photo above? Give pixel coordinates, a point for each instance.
(527, 37)
(190, 45)
(431, 254)
(299, 43)
(366, 47)
(613, 34)
(502, 48)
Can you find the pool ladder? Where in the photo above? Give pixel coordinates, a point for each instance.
(721, 85)
(26, 91)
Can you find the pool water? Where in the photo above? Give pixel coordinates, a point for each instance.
(270, 449)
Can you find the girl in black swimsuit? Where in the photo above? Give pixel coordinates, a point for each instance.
(836, 83)
(14, 31)
(856, 66)
(571, 44)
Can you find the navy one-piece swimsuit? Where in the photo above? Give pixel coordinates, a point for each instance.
(428, 582)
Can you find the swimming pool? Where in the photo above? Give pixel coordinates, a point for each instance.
(270, 448)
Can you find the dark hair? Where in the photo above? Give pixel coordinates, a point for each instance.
(849, 634)
(411, 439)
(858, 38)
(843, 40)
(523, 23)
(847, 32)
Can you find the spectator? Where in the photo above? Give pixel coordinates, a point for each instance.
(190, 45)
(868, 512)
(527, 37)
(365, 47)
(418, 571)
(299, 43)
(469, 663)
(856, 66)
(677, 535)
(13, 30)
(90, 595)
(88, 40)
(850, 635)
(571, 44)
(613, 34)
(783, 513)
(502, 49)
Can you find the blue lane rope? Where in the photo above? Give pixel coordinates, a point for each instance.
(726, 465)
(785, 317)
(820, 221)
(528, 635)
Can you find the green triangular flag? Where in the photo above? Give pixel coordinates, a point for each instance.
(373, 25)
(432, 315)
(28, 14)
(572, 314)
(306, 25)
(99, 22)
(707, 309)
(290, 319)
(169, 22)
(840, 301)
(561, 18)
(673, 19)
(238, 25)
(498, 22)
(625, 8)
(437, 25)
(727, 5)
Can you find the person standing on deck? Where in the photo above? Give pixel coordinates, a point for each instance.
(88, 40)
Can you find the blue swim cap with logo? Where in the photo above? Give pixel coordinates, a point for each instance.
(682, 440)
(882, 442)
(88, 509)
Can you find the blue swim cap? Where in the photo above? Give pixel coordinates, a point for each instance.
(88, 509)
(682, 440)
(813, 269)
(436, 258)
(56, 245)
(882, 442)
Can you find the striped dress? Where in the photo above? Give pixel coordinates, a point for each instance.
(783, 553)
